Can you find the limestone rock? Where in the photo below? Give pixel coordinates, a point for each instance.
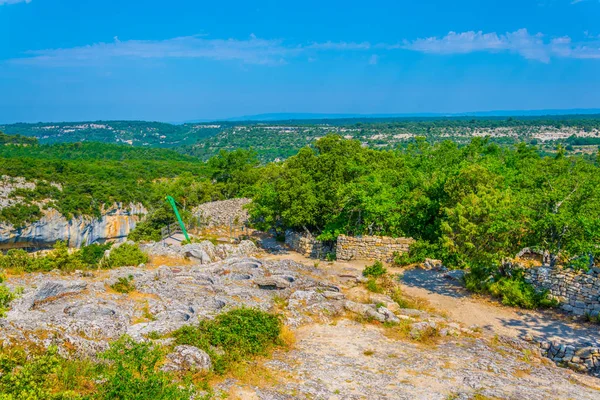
(187, 358)
(50, 291)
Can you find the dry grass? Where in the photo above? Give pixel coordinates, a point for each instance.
(146, 315)
(159, 261)
(402, 331)
(287, 337)
(522, 373)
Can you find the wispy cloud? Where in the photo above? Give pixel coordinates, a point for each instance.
(250, 51)
(532, 47)
(259, 51)
(3, 2)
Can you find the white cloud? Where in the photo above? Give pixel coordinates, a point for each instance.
(521, 42)
(259, 51)
(3, 2)
(250, 51)
(340, 46)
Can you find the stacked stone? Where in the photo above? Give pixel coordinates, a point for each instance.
(577, 291)
(307, 245)
(223, 213)
(582, 359)
(371, 247)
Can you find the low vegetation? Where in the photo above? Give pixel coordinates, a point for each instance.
(233, 337)
(6, 296)
(123, 255)
(124, 285)
(510, 290)
(63, 259)
(131, 370)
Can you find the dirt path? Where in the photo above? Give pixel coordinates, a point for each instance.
(449, 297)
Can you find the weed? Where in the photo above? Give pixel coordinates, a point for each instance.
(6, 296)
(512, 291)
(374, 271)
(124, 285)
(368, 353)
(373, 286)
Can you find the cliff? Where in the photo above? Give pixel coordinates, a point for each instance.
(115, 223)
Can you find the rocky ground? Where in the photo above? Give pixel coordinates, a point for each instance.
(346, 347)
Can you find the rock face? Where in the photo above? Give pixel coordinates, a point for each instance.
(223, 213)
(115, 224)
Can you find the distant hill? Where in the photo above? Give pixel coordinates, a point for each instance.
(135, 133)
(499, 113)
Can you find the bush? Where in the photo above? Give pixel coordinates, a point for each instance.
(125, 255)
(92, 254)
(374, 271)
(6, 296)
(35, 376)
(511, 290)
(417, 253)
(373, 286)
(19, 215)
(60, 258)
(133, 374)
(124, 285)
(233, 336)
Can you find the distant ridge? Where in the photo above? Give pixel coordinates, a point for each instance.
(496, 113)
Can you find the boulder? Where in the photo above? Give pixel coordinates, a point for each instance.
(187, 358)
(272, 283)
(364, 310)
(53, 290)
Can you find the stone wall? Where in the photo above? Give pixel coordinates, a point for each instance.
(577, 292)
(370, 247)
(307, 245)
(581, 358)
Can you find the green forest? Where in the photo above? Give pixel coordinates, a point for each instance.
(471, 205)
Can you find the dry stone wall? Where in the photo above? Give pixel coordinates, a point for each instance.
(578, 292)
(371, 247)
(307, 245)
(582, 358)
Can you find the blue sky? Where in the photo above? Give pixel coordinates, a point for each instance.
(68, 60)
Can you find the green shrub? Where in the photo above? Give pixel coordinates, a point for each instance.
(511, 290)
(20, 214)
(373, 286)
(92, 254)
(125, 255)
(233, 336)
(6, 296)
(124, 285)
(374, 271)
(133, 374)
(34, 376)
(417, 253)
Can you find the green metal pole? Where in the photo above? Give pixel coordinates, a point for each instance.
(171, 201)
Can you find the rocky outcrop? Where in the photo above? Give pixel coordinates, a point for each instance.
(115, 224)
